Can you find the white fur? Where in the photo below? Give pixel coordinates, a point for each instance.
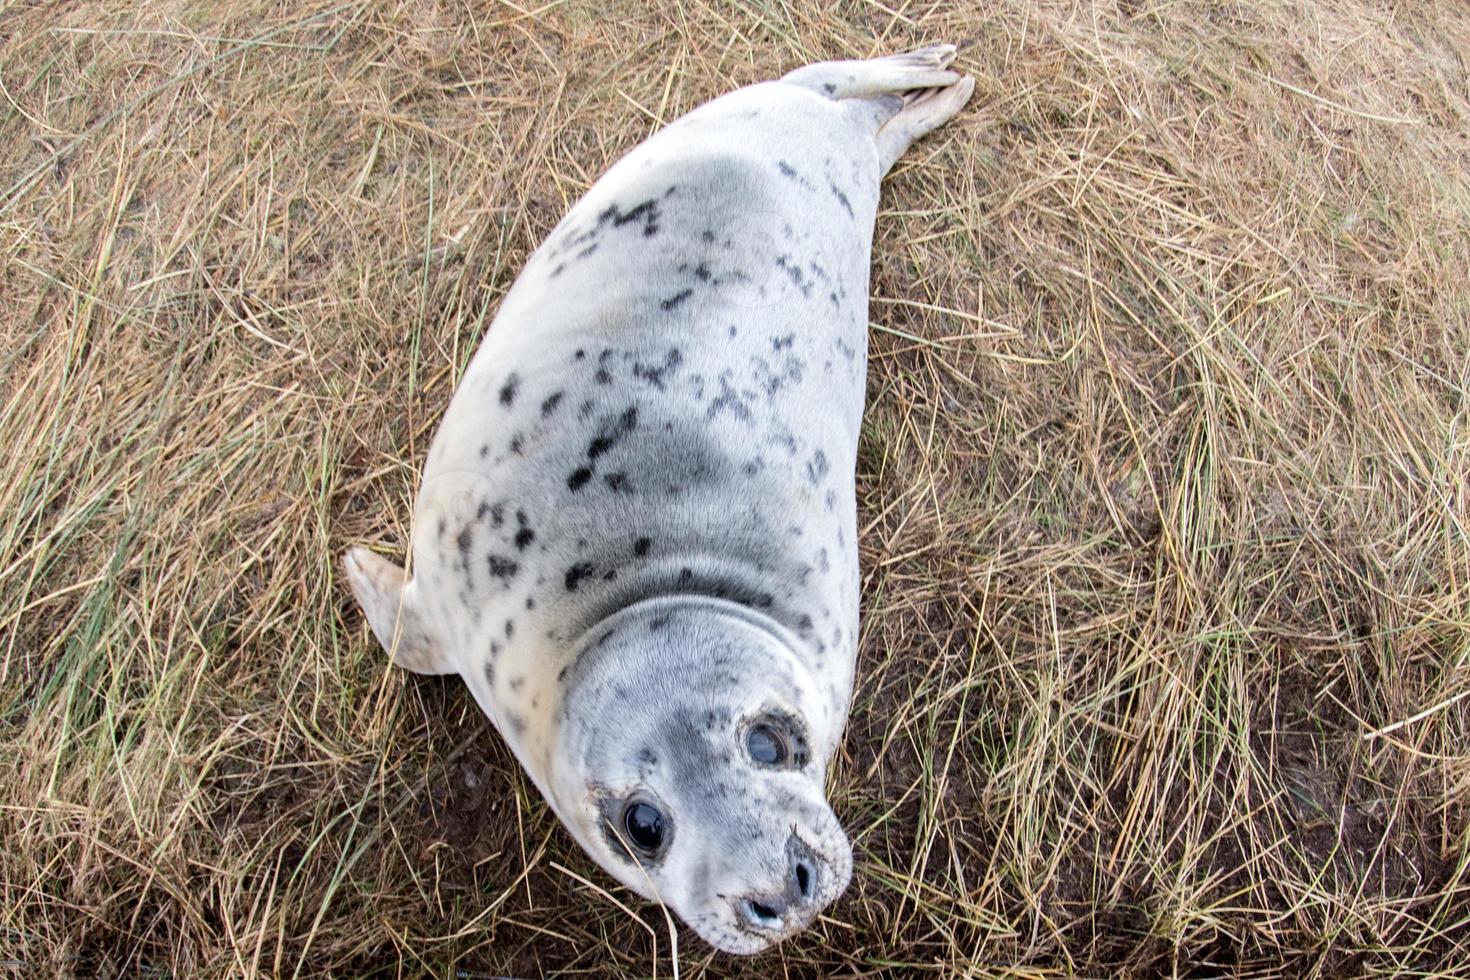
(636, 531)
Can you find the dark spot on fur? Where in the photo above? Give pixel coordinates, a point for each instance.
(549, 405)
(602, 376)
(612, 432)
(576, 574)
(501, 567)
(728, 400)
(817, 468)
(829, 88)
(509, 389)
(658, 622)
(654, 374)
(676, 299)
(465, 539)
(641, 546)
(510, 628)
(490, 668)
(580, 353)
(783, 342)
(524, 537)
(647, 212)
(530, 603)
(515, 443)
(578, 478)
(798, 278)
(841, 198)
(516, 683)
(616, 482)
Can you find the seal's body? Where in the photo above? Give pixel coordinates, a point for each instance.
(635, 538)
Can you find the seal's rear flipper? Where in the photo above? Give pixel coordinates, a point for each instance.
(924, 68)
(386, 597)
(923, 113)
(902, 96)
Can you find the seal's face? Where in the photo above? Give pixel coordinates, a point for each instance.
(698, 781)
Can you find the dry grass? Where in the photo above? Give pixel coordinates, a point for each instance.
(1165, 485)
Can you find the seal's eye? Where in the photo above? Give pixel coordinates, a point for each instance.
(645, 826)
(765, 745)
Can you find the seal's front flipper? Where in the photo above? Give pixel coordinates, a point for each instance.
(895, 74)
(386, 597)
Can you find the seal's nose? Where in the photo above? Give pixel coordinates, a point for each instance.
(792, 907)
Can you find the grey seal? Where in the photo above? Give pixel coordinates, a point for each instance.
(635, 536)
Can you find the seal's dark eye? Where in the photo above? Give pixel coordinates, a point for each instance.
(765, 745)
(645, 826)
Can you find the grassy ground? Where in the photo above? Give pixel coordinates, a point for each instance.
(1165, 485)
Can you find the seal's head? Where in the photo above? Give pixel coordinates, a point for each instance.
(689, 764)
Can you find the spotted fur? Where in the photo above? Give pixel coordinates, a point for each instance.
(636, 532)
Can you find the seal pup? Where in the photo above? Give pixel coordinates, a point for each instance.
(635, 537)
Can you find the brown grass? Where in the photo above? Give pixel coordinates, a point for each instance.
(1165, 485)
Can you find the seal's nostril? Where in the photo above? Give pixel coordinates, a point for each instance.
(762, 912)
(803, 879)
